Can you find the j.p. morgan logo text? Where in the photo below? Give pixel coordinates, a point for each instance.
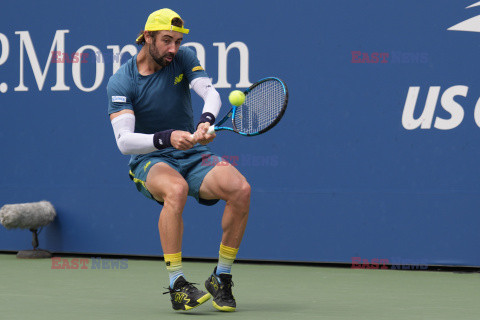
(28, 49)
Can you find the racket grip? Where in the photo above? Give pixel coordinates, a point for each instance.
(211, 130)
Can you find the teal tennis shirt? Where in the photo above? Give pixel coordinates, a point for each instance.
(160, 101)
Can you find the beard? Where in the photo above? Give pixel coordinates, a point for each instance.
(160, 60)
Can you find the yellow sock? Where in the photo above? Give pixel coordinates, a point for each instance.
(225, 260)
(174, 266)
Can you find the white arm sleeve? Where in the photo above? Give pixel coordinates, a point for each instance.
(127, 141)
(204, 88)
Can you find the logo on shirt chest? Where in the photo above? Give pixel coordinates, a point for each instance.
(178, 79)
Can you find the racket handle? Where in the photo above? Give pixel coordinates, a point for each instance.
(211, 130)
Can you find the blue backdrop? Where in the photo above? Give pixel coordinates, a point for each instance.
(376, 156)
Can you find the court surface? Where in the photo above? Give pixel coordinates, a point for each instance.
(30, 289)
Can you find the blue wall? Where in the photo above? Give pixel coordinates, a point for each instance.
(347, 173)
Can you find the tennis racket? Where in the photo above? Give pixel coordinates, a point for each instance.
(264, 106)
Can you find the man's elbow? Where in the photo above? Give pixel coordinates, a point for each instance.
(123, 149)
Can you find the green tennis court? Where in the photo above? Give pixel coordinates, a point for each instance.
(30, 289)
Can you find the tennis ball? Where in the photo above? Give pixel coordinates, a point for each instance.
(237, 98)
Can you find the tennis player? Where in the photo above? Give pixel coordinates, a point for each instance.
(151, 113)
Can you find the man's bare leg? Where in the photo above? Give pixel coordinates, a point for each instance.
(226, 183)
(169, 187)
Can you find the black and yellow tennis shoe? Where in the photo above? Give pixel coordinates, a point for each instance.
(220, 287)
(185, 295)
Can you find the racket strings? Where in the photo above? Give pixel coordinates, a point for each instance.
(261, 108)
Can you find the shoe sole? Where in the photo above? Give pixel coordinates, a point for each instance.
(225, 308)
(200, 301)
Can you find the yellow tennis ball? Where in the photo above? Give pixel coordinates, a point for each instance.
(237, 98)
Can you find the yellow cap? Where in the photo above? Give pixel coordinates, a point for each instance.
(162, 20)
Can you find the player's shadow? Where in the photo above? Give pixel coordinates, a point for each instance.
(245, 308)
(262, 306)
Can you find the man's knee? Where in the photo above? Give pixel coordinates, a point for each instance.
(240, 193)
(245, 190)
(174, 192)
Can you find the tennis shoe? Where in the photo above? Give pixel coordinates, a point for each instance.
(185, 295)
(220, 287)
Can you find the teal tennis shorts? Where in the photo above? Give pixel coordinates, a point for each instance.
(191, 164)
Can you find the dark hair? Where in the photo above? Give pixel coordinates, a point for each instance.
(177, 22)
